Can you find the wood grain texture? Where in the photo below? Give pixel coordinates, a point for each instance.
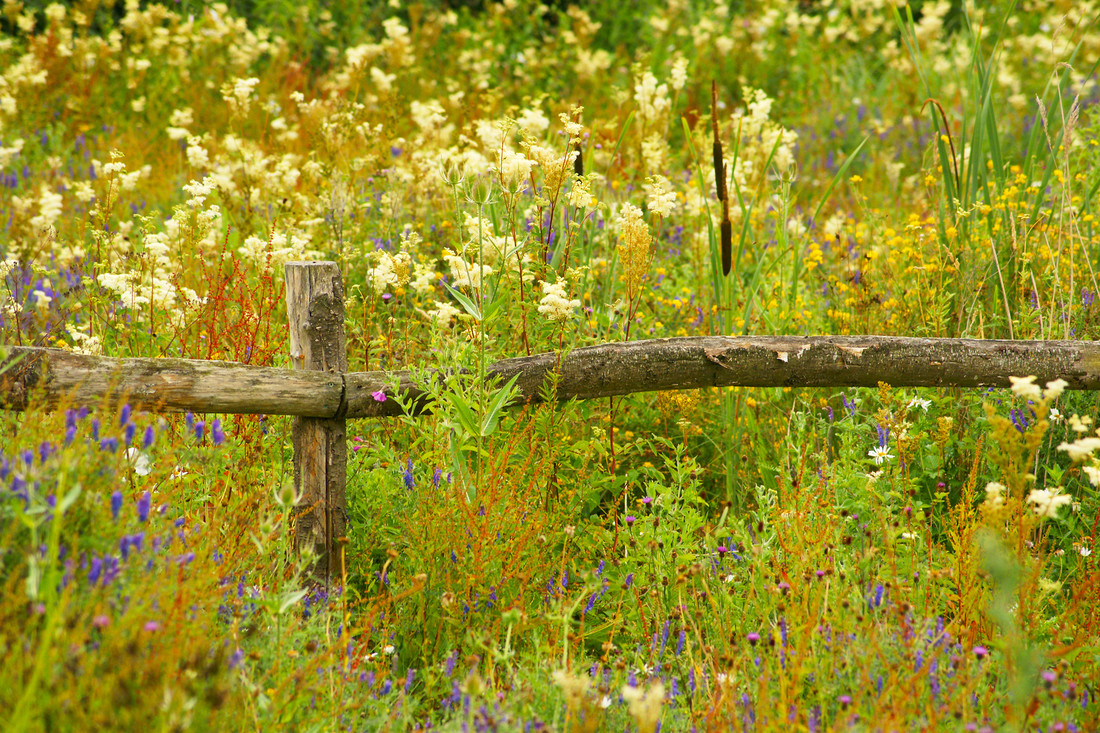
(765, 361)
(593, 371)
(55, 377)
(315, 309)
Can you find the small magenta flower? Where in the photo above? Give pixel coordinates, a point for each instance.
(647, 500)
(844, 700)
(981, 652)
(629, 519)
(151, 626)
(753, 637)
(722, 549)
(379, 396)
(101, 621)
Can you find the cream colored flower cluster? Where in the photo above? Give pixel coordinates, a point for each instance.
(390, 271)
(1045, 502)
(759, 137)
(661, 198)
(555, 305)
(465, 274)
(635, 247)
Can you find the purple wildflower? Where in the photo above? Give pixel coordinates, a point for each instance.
(143, 507)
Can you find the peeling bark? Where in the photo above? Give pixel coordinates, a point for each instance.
(768, 361)
(62, 378)
(590, 372)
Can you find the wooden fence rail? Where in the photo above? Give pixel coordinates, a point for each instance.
(322, 394)
(179, 385)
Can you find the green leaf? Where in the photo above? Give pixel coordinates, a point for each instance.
(619, 142)
(465, 415)
(492, 309)
(492, 416)
(7, 363)
(68, 500)
(34, 577)
(290, 598)
(469, 305)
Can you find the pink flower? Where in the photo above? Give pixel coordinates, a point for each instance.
(378, 396)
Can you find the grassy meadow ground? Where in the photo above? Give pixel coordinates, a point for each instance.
(510, 179)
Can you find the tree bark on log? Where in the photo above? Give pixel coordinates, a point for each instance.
(614, 369)
(62, 378)
(590, 372)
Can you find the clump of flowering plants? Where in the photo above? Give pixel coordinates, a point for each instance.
(515, 179)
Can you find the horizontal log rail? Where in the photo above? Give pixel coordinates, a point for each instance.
(177, 385)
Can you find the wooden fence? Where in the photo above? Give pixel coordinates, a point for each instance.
(321, 393)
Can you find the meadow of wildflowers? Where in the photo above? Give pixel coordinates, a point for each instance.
(506, 179)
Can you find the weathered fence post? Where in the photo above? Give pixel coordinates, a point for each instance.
(315, 309)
